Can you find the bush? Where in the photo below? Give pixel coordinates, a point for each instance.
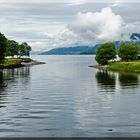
(105, 53)
(128, 52)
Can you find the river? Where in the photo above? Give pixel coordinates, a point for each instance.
(65, 97)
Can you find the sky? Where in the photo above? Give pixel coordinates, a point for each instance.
(47, 24)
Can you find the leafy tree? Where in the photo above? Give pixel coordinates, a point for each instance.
(128, 52)
(105, 53)
(12, 48)
(24, 49)
(3, 45)
(27, 48)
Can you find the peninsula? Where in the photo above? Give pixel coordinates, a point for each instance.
(128, 58)
(14, 54)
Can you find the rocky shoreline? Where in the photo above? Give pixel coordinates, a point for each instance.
(33, 62)
(103, 67)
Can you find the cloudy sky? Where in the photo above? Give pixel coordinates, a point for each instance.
(47, 24)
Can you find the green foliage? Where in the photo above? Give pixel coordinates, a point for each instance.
(105, 53)
(133, 66)
(12, 48)
(14, 62)
(128, 52)
(25, 49)
(3, 45)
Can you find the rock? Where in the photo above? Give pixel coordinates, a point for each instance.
(32, 63)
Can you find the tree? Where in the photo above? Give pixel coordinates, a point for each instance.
(128, 52)
(3, 44)
(27, 48)
(105, 53)
(12, 48)
(24, 49)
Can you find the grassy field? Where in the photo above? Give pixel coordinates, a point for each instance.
(13, 62)
(133, 66)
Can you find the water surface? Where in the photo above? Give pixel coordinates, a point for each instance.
(64, 97)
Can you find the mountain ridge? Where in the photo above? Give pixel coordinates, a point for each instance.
(85, 49)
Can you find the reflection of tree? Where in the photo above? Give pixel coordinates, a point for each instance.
(17, 75)
(17, 72)
(128, 80)
(10, 78)
(2, 82)
(3, 86)
(106, 80)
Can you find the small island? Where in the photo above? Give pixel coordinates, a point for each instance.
(128, 58)
(14, 54)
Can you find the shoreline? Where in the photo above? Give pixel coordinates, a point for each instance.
(130, 66)
(103, 67)
(33, 62)
(10, 63)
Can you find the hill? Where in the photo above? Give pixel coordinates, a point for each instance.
(86, 50)
(72, 50)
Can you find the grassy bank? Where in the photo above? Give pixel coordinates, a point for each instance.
(133, 66)
(14, 62)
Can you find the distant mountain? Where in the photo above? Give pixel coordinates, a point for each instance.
(91, 50)
(36, 52)
(71, 50)
(83, 50)
(135, 37)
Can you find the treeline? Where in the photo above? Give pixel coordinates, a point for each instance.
(12, 48)
(127, 52)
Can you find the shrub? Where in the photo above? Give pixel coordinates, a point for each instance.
(128, 52)
(105, 53)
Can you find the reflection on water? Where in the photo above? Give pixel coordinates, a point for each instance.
(3, 86)
(109, 81)
(11, 77)
(106, 80)
(9, 74)
(63, 98)
(120, 111)
(128, 80)
(2, 82)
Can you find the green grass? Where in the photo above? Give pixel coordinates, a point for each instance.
(133, 66)
(13, 62)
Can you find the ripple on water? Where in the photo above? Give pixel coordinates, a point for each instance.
(67, 98)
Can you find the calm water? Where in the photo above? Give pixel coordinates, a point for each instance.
(65, 97)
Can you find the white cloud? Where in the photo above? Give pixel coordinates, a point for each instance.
(67, 1)
(102, 26)
(92, 28)
(77, 2)
(116, 3)
(45, 25)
